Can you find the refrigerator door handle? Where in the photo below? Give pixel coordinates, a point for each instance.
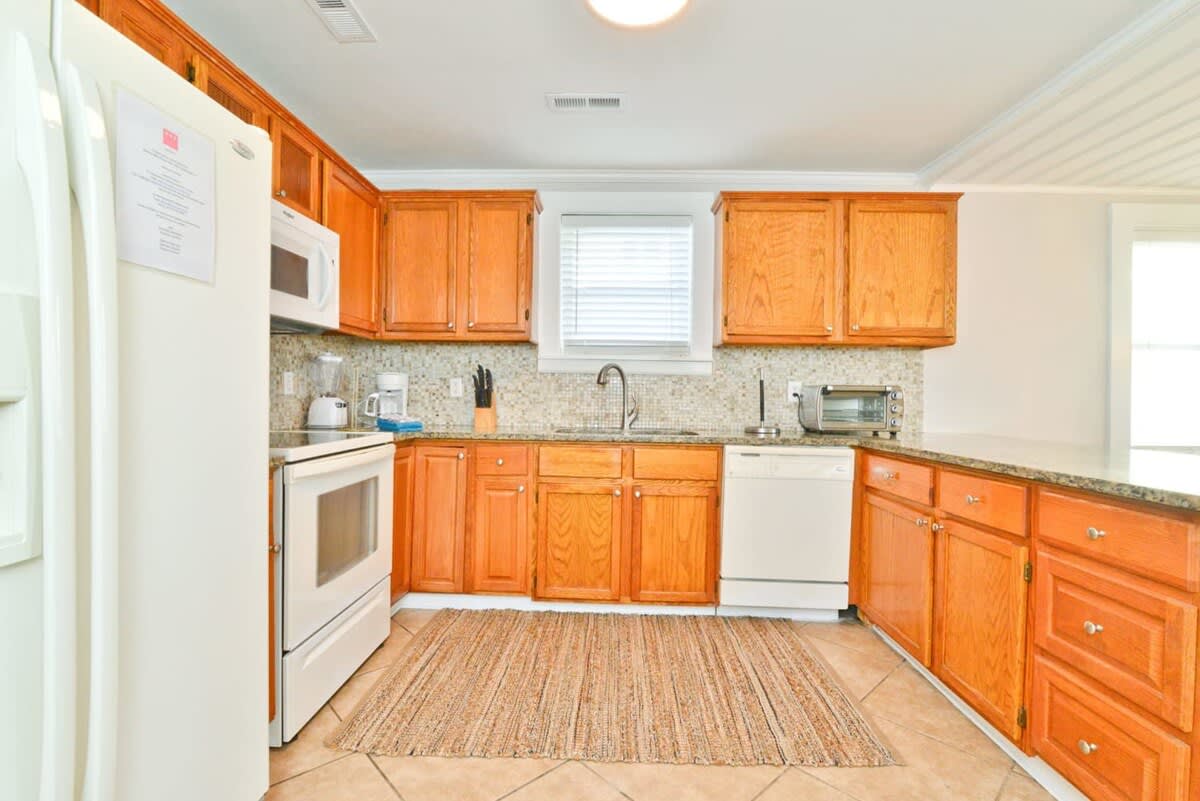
(92, 182)
(41, 157)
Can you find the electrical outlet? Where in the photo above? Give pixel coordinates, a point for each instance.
(289, 383)
(793, 389)
(456, 387)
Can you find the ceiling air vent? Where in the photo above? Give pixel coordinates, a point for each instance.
(583, 101)
(343, 20)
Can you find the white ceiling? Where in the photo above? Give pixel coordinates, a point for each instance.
(797, 85)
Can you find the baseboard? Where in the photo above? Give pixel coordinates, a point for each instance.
(1050, 779)
(443, 600)
(806, 615)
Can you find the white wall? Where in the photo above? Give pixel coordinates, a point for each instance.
(1033, 309)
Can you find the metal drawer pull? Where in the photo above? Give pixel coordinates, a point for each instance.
(499, 462)
(461, 456)
(1092, 628)
(937, 527)
(920, 521)
(276, 548)
(520, 488)
(1094, 533)
(637, 493)
(887, 475)
(973, 499)
(1087, 749)
(617, 493)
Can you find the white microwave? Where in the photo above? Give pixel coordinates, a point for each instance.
(304, 272)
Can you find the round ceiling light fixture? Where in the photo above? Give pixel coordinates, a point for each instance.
(637, 13)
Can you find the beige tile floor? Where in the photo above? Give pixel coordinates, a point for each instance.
(945, 757)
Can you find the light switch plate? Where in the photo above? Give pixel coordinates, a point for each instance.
(456, 387)
(289, 383)
(793, 389)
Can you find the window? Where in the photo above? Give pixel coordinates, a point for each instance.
(625, 277)
(625, 283)
(1155, 345)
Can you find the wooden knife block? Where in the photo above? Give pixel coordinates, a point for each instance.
(485, 419)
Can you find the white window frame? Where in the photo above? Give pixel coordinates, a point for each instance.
(548, 332)
(1126, 222)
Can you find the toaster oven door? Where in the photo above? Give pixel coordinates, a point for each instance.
(854, 410)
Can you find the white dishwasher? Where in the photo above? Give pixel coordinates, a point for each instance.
(785, 530)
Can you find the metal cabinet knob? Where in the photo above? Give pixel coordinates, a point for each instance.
(450, 325)
(829, 328)
(887, 475)
(937, 527)
(921, 522)
(855, 327)
(1092, 628)
(973, 499)
(637, 493)
(617, 493)
(1087, 748)
(1094, 533)
(276, 548)
(470, 323)
(520, 488)
(499, 462)
(281, 193)
(461, 456)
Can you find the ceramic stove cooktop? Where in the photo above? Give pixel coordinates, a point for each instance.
(295, 446)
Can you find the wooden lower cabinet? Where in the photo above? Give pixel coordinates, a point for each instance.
(402, 508)
(896, 553)
(579, 541)
(673, 543)
(499, 557)
(980, 597)
(438, 517)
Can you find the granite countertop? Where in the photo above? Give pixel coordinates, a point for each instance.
(1168, 477)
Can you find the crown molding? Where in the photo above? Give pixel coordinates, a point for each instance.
(642, 180)
(1063, 189)
(1099, 60)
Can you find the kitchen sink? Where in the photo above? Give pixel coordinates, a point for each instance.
(614, 431)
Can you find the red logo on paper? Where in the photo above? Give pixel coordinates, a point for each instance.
(171, 139)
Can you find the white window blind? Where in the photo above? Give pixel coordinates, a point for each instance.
(626, 282)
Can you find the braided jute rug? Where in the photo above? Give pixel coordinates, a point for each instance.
(612, 688)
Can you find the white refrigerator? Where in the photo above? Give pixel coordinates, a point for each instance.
(133, 441)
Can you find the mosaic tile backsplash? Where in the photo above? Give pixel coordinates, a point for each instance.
(526, 398)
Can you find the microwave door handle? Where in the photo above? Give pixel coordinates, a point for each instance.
(326, 275)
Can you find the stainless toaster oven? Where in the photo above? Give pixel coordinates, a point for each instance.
(851, 408)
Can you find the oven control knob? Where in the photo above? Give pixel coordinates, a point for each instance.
(895, 408)
(894, 395)
(895, 422)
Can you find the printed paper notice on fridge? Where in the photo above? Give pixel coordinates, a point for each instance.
(165, 184)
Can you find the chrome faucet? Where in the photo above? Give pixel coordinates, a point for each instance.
(629, 409)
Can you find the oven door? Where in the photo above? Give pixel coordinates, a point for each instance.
(853, 410)
(337, 536)
(304, 273)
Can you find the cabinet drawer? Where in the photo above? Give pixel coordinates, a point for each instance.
(906, 479)
(579, 461)
(1163, 548)
(1108, 751)
(501, 460)
(1138, 642)
(999, 504)
(678, 464)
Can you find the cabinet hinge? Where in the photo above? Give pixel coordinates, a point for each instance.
(718, 501)
(726, 215)
(1022, 717)
(725, 320)
(191, 73)
(1027, 573)
(529, 218)
(385, 216)
(527, 314)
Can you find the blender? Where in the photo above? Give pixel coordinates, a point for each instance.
(327, 410)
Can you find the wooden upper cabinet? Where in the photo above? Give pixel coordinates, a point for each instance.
(901, 270)
(145, 24)
(458, 265)
(295, 168)
(979, 622)
(579, 541)
(499, 266)
(439, 518)
(421, 268)
(350, 207)
(779, 270)
(91, 5)
(896, 552)
(229, 91)
(673, 543)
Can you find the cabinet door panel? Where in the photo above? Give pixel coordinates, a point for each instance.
(229, 92)
(439, 512)
(499, 266)
(402, 500)
(351, 208)
(674, 543)
(579, 541)
(980, 622)
(295, 169)
(500, 537)
(779, 269)
(421, 266)
(901, 268)
(139, 23)
(897, 554)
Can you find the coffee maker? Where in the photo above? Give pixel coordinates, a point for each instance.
(392, 398)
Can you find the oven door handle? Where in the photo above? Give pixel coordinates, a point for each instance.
(334, 464)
